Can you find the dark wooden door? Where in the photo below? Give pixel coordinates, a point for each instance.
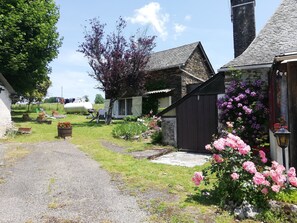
(197, 122)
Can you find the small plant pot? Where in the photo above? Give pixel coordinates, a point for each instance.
(23, 130)
(64, 132)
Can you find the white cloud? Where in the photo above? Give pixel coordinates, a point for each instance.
(179, 28)
(151, 14)
(188, 17)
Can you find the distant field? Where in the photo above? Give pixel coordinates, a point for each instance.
(48, 107)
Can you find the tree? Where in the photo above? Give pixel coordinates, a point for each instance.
(99, 99)
(86, 98)
(29, 41)
(118, 63)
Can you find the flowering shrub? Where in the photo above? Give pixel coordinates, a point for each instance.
(245, 104)
(64, 125)
(241, 176)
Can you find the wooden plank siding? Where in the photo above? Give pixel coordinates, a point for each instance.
(292, 99)
(197, 121)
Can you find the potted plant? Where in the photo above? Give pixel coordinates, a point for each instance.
(64, 129)
(281, 124)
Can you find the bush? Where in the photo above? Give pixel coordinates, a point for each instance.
(245, 105)
(130, 118)
(128, 130)
(242, 177)
(157, 137)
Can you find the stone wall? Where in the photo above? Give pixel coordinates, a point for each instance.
(185, 81)
(178, 80)
(196, 65)
(169, 78)
(254, 74)
(169, 131)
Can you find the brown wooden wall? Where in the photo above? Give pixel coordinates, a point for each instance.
(197, 121)
(292, 99)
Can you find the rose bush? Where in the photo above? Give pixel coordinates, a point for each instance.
(242, 176)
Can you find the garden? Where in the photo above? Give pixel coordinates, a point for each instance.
(224, 186)
(245, 180)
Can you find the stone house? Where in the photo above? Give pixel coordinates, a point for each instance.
(172, 72)
(5, 105)
(271, 53)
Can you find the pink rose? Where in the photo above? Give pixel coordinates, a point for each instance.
(231, 143)
(219, 144)
(244, 150)
(262, 154)
(291, 172)
(208, 147)
(264, 190)
(275, 188)
(235, 176)
(293, 181)
(278, 167)
(241, 144)
(198, 177)
(277, 177)
(264, 160)
(217, 158)
(259, 179)
(249, 167)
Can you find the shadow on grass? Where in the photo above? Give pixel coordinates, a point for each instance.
(88, 124)
(205, 197)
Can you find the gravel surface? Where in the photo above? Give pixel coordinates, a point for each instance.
(56, 182)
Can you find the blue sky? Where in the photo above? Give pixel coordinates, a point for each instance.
(175, 23)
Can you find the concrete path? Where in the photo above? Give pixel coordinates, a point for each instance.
(163, 155)
(56, 182)
(182, 159)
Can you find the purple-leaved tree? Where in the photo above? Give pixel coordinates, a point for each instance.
(118, 63)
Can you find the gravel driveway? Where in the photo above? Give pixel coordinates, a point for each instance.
(56, 182)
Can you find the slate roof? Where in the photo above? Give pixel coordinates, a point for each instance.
(278, 36)
(172, 57)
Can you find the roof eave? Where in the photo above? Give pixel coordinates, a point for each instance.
(166, 68)
(6, 84)
(245, 67)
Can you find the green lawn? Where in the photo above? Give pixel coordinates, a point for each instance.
(137, 175)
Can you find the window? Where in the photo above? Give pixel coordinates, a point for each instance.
(125, 106)
(122, 107)
(129, 106)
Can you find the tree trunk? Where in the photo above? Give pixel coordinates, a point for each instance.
(109, 112)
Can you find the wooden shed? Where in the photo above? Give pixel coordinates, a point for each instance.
(190, 123)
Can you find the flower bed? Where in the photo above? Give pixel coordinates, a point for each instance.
(241, 177)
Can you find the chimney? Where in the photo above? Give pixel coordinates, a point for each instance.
(243, 18)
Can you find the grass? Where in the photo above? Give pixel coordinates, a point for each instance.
(185, 204)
